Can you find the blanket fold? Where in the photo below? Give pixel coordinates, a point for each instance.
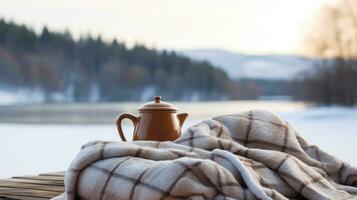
(250, 155)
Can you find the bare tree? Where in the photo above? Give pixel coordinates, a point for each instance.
(334, 31)
(333, 37)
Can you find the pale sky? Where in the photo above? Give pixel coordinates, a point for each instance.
(246, 26)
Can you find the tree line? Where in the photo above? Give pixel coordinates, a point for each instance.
(90, 69)
(333, 37)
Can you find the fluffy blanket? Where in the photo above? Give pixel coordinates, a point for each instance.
(250, 155)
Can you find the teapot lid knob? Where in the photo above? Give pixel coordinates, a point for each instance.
(157, 105)
(157, 99)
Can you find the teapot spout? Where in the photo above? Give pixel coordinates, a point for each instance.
(182, 117)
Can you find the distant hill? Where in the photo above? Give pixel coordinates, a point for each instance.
(239, 65)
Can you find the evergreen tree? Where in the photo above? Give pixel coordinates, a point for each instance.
(55, 62)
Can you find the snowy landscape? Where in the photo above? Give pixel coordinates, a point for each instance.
(71, 69)
(67, 70)
(37, 148)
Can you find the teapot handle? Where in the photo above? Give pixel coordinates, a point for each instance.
(120, 119)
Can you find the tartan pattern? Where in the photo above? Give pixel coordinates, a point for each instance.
(276, 163)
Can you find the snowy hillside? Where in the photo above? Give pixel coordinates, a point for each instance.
(253, 66)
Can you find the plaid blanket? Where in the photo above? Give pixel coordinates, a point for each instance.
(250, 155)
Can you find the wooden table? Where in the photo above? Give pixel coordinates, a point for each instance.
(43, 186)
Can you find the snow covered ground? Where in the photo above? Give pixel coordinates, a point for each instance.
(20, 96)
(332, 129)
(31, 149)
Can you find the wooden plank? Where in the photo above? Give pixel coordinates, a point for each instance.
(43, 186)
(61, 174)
(12, 184)
(28, 192)
(16, 197)
(46, 178)
(38, 182)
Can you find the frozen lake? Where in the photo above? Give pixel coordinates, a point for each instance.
(37, 148)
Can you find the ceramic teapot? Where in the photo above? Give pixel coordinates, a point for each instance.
(158, 120)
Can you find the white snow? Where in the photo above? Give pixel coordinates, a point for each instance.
(332, 129)
(20, 96)
(32, 149)
(7, 97)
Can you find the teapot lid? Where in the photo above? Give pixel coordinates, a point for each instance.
(157, 105)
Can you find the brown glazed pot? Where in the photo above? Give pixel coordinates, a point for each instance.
(158, 121)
